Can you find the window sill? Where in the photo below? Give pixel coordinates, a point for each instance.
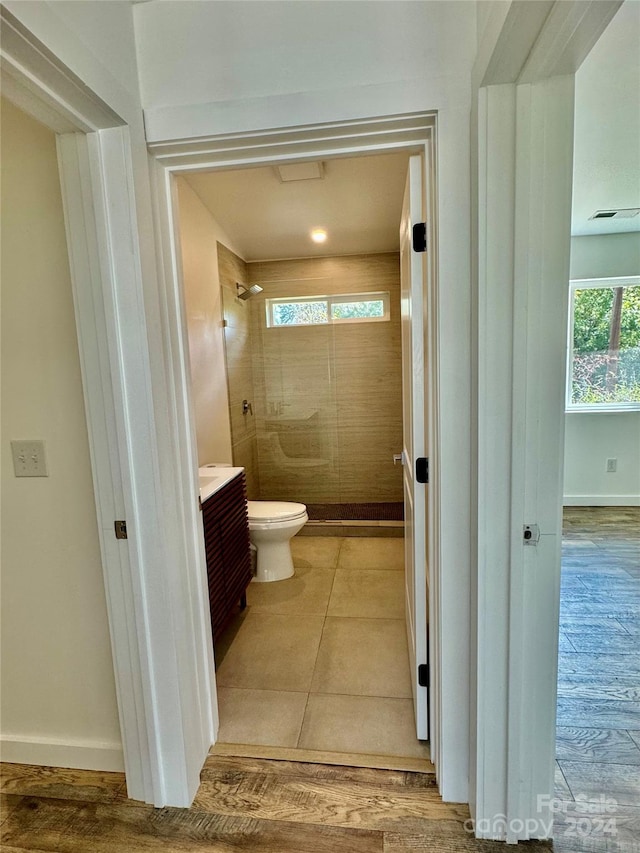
(593, 410)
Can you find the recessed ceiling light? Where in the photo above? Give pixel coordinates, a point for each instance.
(318, 235)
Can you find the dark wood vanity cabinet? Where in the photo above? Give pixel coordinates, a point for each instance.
(226, 537)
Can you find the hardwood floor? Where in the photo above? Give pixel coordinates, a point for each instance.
(243, 804)
(249, 804)
(598, 734)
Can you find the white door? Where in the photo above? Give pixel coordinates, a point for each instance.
(414, 396)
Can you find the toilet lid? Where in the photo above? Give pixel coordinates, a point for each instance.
(274, 510)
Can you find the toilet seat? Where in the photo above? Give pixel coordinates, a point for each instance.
(265, 512)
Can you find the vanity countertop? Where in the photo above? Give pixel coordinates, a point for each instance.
(213, 479)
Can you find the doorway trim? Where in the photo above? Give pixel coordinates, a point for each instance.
(162, 759)
(413, 133)
(524, 146)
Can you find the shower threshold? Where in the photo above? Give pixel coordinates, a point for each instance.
(374, 511)
(350, 519)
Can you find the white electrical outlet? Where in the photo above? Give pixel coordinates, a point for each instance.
(612, 466)
(29, 459)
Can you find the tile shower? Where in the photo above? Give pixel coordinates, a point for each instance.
(315, 411)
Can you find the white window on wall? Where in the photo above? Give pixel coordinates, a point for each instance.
(604, 345)
(322, 310)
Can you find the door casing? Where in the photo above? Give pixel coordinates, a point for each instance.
(419, 137)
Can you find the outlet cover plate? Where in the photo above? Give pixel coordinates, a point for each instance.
(29, 459)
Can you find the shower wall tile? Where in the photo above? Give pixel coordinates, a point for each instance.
(238, 354)
(242, 426)
(356, 269)
(350, 375)
(245, 454)
(231, 267)
(240, 376)
(236, 312)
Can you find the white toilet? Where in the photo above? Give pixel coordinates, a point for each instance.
(272, 524)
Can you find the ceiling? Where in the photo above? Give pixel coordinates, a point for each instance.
(358, 201)
(606, 173)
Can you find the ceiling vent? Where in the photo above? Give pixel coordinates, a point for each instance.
(622, 213)
(300, 172)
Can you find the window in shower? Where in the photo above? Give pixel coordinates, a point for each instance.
(324, 310)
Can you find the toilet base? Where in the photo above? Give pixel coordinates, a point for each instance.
(272, 543)
(274, 562)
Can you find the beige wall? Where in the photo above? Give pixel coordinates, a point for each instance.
(238, 348)
(199, 233)
(338, 387)
(58, 692)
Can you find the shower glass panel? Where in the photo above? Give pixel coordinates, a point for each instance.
(296, 406)
(319, 360)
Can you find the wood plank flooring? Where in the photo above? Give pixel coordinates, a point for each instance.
(258, 804)
(243, 804)
(598, 734)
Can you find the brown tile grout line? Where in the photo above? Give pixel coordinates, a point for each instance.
(315, 662)
(326, 616)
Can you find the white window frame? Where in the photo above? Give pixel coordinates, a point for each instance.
(334, 299)
(584, 284)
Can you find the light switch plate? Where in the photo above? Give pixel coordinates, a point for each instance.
(29, 459)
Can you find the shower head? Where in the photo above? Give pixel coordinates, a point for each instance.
(247, 292)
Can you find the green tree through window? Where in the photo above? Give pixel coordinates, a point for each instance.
(323, 310)
(605, 367)
(352, 310)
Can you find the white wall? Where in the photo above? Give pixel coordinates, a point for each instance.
(216, 67)
(58, 691)
(239, 51)
(592, 438)
(606, 164)
(95, 40)
(606, 175)
(199, 233)
(605, 255)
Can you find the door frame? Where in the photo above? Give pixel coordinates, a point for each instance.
(413, 133)
(157, 680)
(523, 137)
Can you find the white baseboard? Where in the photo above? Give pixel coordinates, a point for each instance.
(601, 500)
(52, 752)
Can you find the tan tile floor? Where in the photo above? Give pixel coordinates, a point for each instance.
(320, 661)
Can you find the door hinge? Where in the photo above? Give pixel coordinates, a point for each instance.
(422, 469)
(420, 237)
(423, 675)
(121, 529)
